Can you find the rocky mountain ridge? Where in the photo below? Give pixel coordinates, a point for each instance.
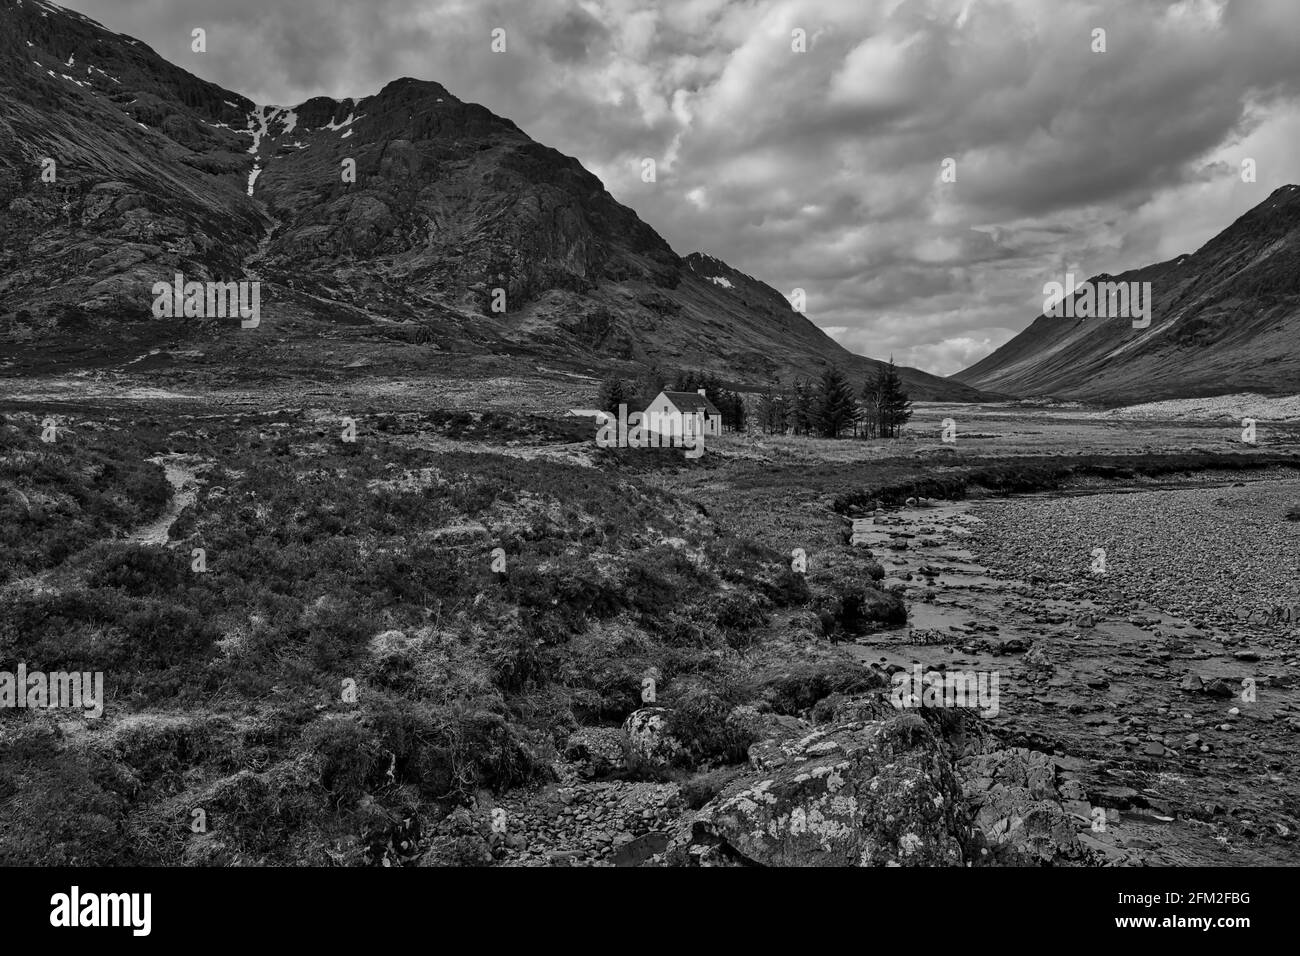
(408, 215)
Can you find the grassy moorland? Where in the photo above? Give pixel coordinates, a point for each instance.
(348, 656)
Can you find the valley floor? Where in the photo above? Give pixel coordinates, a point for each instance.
(432, 644)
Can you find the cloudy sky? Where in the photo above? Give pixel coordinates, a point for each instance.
(822, 169)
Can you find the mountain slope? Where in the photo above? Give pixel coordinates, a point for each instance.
(452, 210)
(1225, 319)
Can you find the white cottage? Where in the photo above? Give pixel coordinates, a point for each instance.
(682, 413)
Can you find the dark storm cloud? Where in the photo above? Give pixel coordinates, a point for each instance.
(571, 36)
(820, 170)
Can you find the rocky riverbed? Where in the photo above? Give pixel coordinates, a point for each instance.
(1216, 555)
(1155, 704)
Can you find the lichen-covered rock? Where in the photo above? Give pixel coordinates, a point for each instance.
(1016, 807)
(865, 793)
(650, 738)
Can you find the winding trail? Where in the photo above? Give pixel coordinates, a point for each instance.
(181, 472)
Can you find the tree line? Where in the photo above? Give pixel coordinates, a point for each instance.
(830, 407)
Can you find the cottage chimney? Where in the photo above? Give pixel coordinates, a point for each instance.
(701, 391)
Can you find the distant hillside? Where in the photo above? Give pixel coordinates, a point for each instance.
(1226, 319)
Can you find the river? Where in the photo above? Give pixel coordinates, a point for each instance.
(1190, 738)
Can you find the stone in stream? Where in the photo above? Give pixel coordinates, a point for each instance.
(1017, 810)
(1037, 657)
(1012, 645)
(1221, 687)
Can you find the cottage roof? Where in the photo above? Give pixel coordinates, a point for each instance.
(688, 403)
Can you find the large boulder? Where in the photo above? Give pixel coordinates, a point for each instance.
(650, 739)
(863, 793)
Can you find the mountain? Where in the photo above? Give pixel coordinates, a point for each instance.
(158, 172)
(1226, 318)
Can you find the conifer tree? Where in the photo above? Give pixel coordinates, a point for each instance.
(836, 405)
(894, 407)
(613, 393)
(871, 407)
(801, 408)
(772, 411)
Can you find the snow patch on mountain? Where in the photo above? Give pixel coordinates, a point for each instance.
(335, 127)
(259, 122)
